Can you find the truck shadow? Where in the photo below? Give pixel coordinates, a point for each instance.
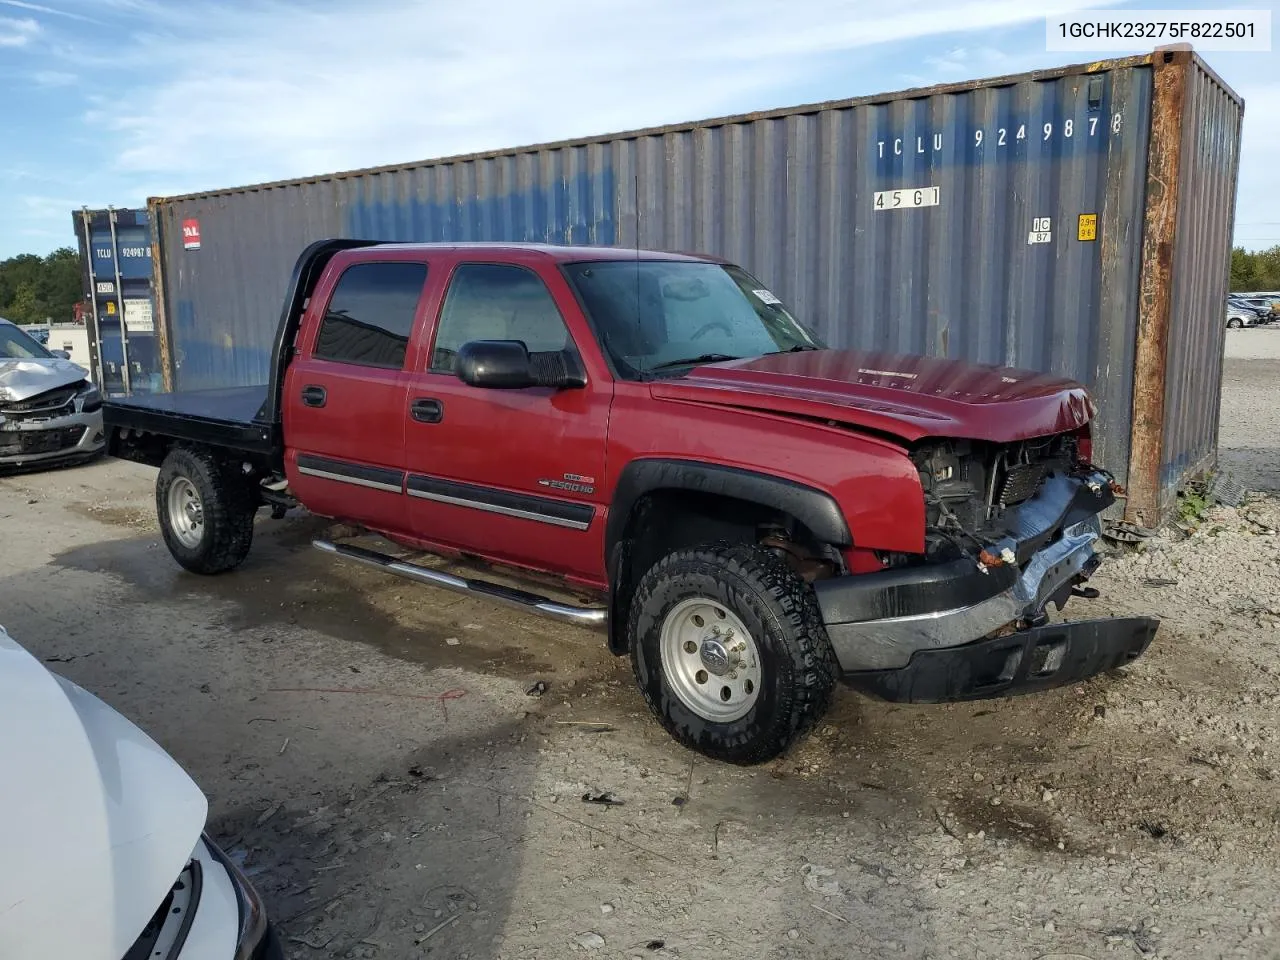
(286, 584)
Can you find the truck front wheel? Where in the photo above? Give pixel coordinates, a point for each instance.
(205, 509)
(730, 652)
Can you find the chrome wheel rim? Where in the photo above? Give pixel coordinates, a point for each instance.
(186, 512)
(710, 659)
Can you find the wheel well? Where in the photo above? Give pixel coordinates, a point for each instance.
(139, 446)
(142, 446)
(662, 521)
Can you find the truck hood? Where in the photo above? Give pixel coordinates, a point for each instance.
(907, 397)
(22, 379)
(100, 819)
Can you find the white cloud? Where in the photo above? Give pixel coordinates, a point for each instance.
(38, 204)
(986, 61)
(17, 33)
(289, 89)
(53, 78)
(40, 8)
(955, 60)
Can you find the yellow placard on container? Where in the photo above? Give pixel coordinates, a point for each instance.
(111, 308)
(1088, 228)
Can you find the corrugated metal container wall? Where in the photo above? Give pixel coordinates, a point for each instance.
(1201, 272)
(1015, 237)
(116, 264)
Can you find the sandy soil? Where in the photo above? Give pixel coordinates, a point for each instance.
(371, 755)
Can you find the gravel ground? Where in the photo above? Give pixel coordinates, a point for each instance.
(1250, 424)
(372, 756)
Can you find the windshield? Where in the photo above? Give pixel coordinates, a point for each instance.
(662, 315)
(16, 345)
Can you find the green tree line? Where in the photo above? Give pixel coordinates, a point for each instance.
(1259, 270)
(40, 289)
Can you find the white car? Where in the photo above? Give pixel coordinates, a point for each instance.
(50, 414)
(102, 850)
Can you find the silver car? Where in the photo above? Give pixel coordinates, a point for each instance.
(49, 412)
(1238, 316)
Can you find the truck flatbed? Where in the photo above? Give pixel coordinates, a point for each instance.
(233, 418)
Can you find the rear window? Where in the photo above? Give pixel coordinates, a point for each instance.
(370, 315)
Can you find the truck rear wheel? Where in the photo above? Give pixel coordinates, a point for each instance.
(730, 652)
(206, 511)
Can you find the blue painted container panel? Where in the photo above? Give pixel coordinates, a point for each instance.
(133, 249)
(979, 257)
(118, 281)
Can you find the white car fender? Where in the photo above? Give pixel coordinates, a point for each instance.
(96, 820)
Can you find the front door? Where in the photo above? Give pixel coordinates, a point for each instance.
(511, 475)
(344, 396)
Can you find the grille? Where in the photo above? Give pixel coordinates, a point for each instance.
(54, 403)
(1021, 482)
(31, 442)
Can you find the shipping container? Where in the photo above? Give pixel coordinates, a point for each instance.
(119, 298)
(1075, 220)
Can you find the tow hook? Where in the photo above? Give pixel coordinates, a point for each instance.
(1033, 621)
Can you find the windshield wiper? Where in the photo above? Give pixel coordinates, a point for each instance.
(799, 348)
(690, 361)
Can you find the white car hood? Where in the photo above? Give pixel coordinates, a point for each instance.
(96, 821)
(20, 379)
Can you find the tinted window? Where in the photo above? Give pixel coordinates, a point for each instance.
(491, 301)
(370, 315)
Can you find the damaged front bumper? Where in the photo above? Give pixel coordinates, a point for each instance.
(1028, 661)
(50, 441)
(930, 633)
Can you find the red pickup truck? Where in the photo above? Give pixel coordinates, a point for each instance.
(756, 516)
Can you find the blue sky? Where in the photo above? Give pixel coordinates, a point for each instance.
(110, 101)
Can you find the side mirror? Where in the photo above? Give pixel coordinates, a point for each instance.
(507, 365)
(61, 354)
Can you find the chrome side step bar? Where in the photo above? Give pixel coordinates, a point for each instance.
(529, 602)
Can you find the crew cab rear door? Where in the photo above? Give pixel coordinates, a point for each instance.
(512, 475)
(344, 392)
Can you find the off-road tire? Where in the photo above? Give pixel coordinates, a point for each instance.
(229, 501)
(779, 609)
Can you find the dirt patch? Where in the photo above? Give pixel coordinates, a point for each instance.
(131, 518)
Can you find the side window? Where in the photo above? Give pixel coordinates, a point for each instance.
(370, 315)
(494, 301)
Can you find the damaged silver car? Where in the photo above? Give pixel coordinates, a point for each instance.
(50, 413)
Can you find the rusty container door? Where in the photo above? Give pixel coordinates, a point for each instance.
(1191, 190)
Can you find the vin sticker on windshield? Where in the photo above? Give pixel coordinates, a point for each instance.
(767, 297)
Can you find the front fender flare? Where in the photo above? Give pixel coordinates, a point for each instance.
(814, 508)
